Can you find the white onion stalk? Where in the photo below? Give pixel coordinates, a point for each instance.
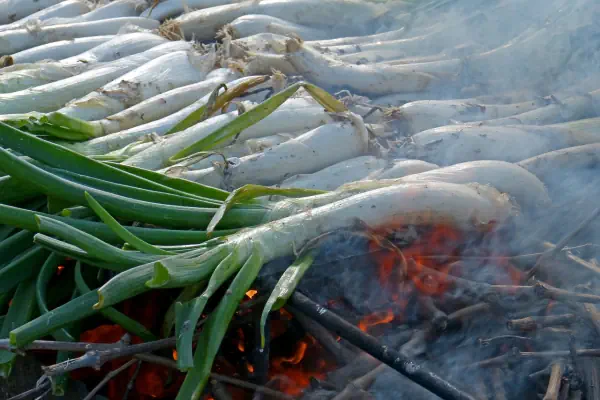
(418, 116)
(449, 145)
(572, 159)
(58, 50)
(204, 24)
(174, 8)
(22, 39)
(326, 71)
(526, 188)
(165, 104)
(265, 63)
(160, 75)
(334, 176)
(402, 168)
(543, 53)
(236, 150)
(572, 108)
(14, 10)
(64, 9)
(54, 95)
(115, 141)
(356, 40)
(308, 153)
(263, 42)
(115, 9)
(464, 206)
(492, 31)
(117, 47)
(394, 56)
(386, 58)
(508, 178)
(254, 24)
(410, 47)
(130, 150)
(284, 119)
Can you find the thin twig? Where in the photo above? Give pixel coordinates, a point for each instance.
(487, 292)
(407, 367)
(32, 392)
(98, 354)
(554, 381)
(78, 347)
(166, 362)
(498, 384)
(514, 354)
(360, 383)
(219, 391)
(108, 377)
(561, 244)
(132, 380)
(536, 322)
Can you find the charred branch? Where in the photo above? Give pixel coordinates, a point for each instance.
(407, 367)
(535, 322)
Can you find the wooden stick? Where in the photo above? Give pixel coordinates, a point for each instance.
(561, 244)
(498, 384)
(166, 362)
(535, 322)
(556, 372)
(108, 377)
(407, 367)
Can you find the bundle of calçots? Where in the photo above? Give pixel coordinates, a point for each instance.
(187, 146)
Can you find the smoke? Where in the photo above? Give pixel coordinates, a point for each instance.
(488, 53)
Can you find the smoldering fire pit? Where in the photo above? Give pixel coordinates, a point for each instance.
(414, 313)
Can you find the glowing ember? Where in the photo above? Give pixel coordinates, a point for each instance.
(174, 354)
(60, 269)
(241, 345)
(251, 293)
(298, 355)
(376, 319)
(250, 367)
(294, 373)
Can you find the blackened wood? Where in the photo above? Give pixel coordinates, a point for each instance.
(407, 367)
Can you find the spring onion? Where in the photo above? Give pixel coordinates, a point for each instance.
(21, 39)
(164, 73)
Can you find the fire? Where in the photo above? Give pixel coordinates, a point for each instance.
(305, 363)
(440, 240)
(376, 319)
(153, 381)
(60, 269)
(241, 345)
(298, 355)
(250, 367)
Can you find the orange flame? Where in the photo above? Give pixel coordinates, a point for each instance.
(440, 239)
(241, 345)
(295, 372)
(376, 319)
(250, 367)
(251, 293)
